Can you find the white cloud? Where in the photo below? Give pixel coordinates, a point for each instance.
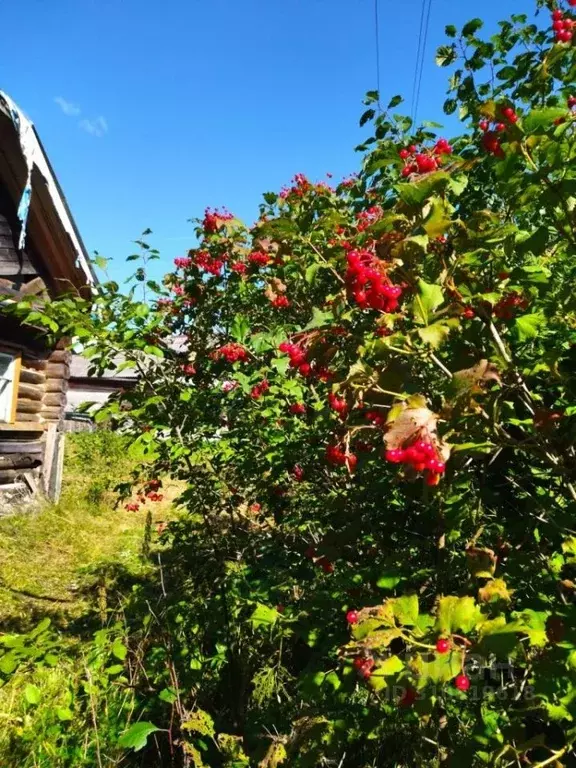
(72, 110)
(97, 127)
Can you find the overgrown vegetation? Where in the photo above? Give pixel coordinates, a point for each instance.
(373, 419)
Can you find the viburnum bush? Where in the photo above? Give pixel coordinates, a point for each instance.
(370, 396)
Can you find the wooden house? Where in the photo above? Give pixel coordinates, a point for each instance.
(41, 253)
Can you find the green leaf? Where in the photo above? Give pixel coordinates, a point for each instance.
(368, 115)
(32, 694)
(416, 192)
(240, 328)
(446, 55)
(471, 27)
(457, 613)
(450, 30)
(136, 736)
(540, 119)
(428, 299)
(507, 73)
(406, 610)
(264, 616)
(389, 579)
(100, 261)
(119, 650)
(395, 101)
(437, 333)
(529, 326)
(439, 217)
(200, 722)
(319, 319)
(64, 714)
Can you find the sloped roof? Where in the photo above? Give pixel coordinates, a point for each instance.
(45, 217)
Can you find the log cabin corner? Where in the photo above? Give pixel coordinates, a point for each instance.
(41, 253)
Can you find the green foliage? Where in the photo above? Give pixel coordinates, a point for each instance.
(373, 390)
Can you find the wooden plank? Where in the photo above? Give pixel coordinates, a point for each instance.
(57, 370)
(20, 427)
(35, 364)
(29, 391)
(20, 461)
(54, 399)
(28, 417)
(59, 468)
(17, 367)
(28, 406)
(9, 475)
(56, 385)
(51, 413)
(29, 376)
(60, 356)
(49, 458)
(34, 287)
(8, 447)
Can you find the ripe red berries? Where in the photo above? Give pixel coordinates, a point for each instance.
(421, 456)
(281, 301)
(442, 645)
(484, 125)
(259, 389)
(298, 473)
(132, 507)
(233, 353)
(298, 409)
(562, 26)
(364, 667)
(337, 404)
(326, 565)
(368, 284)
(462, 682)
(425, 161)
(336, 456)
(572, 100)
(408, 698)
(352, 617)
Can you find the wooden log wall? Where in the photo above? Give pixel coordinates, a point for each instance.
(40, 404)
(43, 387)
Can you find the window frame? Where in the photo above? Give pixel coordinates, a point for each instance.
(15, 366)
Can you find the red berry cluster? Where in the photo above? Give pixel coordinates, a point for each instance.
(240, 267)
(213, 219)
(367, 218)
(424, 161)
(336, 456)
(375, 417)
(338, 404)
(259, 389)
(233, 352)
(322, 561)
(297, 355)
(183, 262)
(422, 456)
(368, 284)
(363, 666)
(152, 496)
(281, 301)
(507, 306)
(298, 409)
(188, 369)
(259, 258)
(132, 507)
(563, 26)
(298, 473)
(204, 261)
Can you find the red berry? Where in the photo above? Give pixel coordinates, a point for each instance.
(406, 171)
(432, 478)
(557, 15)
(412, 149)
(572, 102)
(508, 112)
(572, 3)
(462, 682)
(298, 409)
(326, 565)
(484, 125)
(469, 313)
(500, 127)
(408, 698)
(298, 473)
(404, 154)
(442, 645)
(280, 608)
(310, 553)
(558, 26)
(352, 617)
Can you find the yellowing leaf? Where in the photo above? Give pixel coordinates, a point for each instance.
(457, 613)
(481, 562)
(427, 300)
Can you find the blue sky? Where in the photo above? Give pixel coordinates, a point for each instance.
(167, 107)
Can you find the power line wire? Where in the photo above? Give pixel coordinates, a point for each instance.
(377, 33)
(423, 59)
(417, 67)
